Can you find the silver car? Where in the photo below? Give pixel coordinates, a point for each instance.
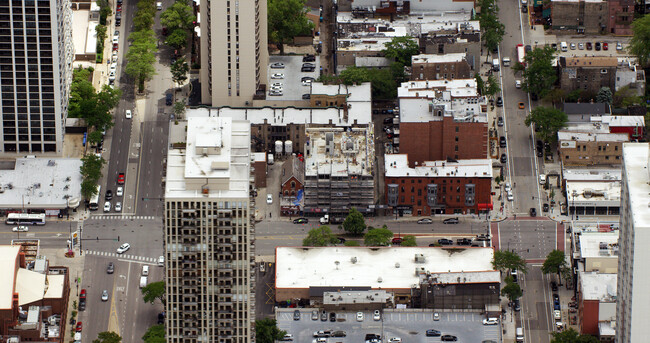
(104, 295)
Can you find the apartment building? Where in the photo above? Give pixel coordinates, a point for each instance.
(588, 74)
(440, 67)
(621, 16)
(36, 54)
(340, 170)
(208, 230)
(581, 16)
(234, 54)
(590, 148)
(632, 312)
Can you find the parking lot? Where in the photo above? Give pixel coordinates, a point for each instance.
(292, 88)
(408, 324)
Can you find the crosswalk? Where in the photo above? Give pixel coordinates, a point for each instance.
(122, 256)
(122, 217)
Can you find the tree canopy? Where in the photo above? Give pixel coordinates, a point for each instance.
(570, 335)
(377, 237)
(155, 334)
(153, 291)
(178, 15)
(492, 87)
(511, 290)
(91, 172)
(179, 70)
(539, 75)
(286, 20)
(86, 103)
(605, 96)
(108, 337)
(319, 237)
(401, 49)
(267, 331)
(141, 57)
(639, 46)
(554, 263)
(384, 82)
(354, 222)
(505, 260)
(492, 29)
(409, 241)
(547, 120)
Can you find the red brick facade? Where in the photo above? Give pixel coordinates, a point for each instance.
(291, 187)
(438, 140)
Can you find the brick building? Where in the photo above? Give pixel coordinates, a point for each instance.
(581, 16)
(440, 67)
(588, 74)
(259, 165)
(590, 148)
(621, 15)
(438, 187)
(454, 37)
(437, 119)
(291, 186)
(597, 304)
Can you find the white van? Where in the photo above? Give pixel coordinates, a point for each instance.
(145, 270)
(563, 46)
(519, 333)
(143, 281)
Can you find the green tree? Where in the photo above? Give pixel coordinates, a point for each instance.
(409, 241)
(570, 335)
(380, 236)
(574, 95)
(493, 30)
(142, 21)
(179, 109)
(179, 15)
(511, 290)
(548, 121)
(153, 291)
(155, 334)
(267, 331)
(626, 96)
(104, 11)
(147, 7)
(177, 39)
(539, 75)
(351, 244)
(320, 237)
(287, 19)
(555, 95)
(88, 188)
(141, 57)
(639, 46)
(100, 30)
(492, 87)
(354, 222)
(108, 337)
(605, 95)
(91, 167)
(480, 84)
(95, 137)
(505, 260)
(401, 49)
(354, 75)
(179, 70)
(383, 84)
(554, 263)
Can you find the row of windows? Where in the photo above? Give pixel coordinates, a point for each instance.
(11, 102)
(28, 9)
(25, 32)
(566, 157)
(444, 190)
(7, 47)
(31, 61)
(420, 181)
(23, 124)
(30, 67)
(21, 95)
(23, 130)
(18, 18)
(35, 147)
(25, 138)
(21, 39)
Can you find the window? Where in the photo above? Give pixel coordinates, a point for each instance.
(456, 128)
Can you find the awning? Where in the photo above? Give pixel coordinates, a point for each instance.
(485, 206)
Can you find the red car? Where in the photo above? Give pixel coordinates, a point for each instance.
(119, 7)
(120, 178)
(115, 47)
(79, 327)
(82, 295)
(604, 46)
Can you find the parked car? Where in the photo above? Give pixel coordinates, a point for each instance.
(82, 295)
(445, 241)
(433, 333)
(21, 228)
(323, 316)
(605, 46)
(503, 158)
(359, 316)
(306, 96)
(450, 221)
(448, 338)
(107, 206)
(277, 76)
(554, 286)
(436, 316)
(533, 212)
(500, 121)
(269, 199)
(120, 191)
(309, 58)
(396, 240)
(332, 317)
(499, 102)
(128, 114)
(490, 321)
(277, 65)
(464, 241)
(118, 207)
(597, 46)
(581, 46)
(296, 315)
(619, 46)
(545, 207)
(589, 46)
(301, 221)
(425, 221)
(314, 315)
(79, 327)
(376, 315)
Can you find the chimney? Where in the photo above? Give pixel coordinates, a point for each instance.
(21, 259)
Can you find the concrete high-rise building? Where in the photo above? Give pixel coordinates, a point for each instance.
(632, 311)
(234, 54)
(208, 232)
(36, 54)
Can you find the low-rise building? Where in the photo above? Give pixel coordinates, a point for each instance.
(340, 170)
(291, 186)
(467, 273)
(590, 148)
(440, 67)
(581, 16)
(631, 76)
(597, 304)
(621, 16)
(355, 300)
(392, 8)
(438, 187)
(259, 165)
(597, 251)
(588, 74)
(592, 191)
(597, 116)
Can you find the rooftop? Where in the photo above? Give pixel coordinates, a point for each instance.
(56, 185)
(396, 165)
(339, 152)
(585, 108)
(597, 286)
(594, 61)
(591, 174)
(433, 88)
(622, 121)
(565, 135)
(599, 244)
(389, 267)
(600, 192)
(8, 261)
(635, 159)
(84, 36)
(215, 160)
(446, 58)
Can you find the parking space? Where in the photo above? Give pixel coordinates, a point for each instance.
(291, 81)
(409, 325)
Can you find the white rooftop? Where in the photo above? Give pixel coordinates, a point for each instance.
(56, 185)
(586, 127)
(592, 193)
(591, 174)
(597, 286)
(592, 137)
(216, 155)
(432, 88)
(421, 101)
(431, 58)
(622, 121)
(368, 43)
(351, 151)
(8, 265)
(590, 244)
(635, 157)
(389, 267)
(396, 165)
(30, 286)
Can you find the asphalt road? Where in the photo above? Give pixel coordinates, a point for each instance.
(532, 239)
(536, 306)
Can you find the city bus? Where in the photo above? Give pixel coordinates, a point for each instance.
(93, 205)
(25, 219)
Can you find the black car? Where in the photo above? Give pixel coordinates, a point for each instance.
(502, 142)
(433, 333)
(545, 207)
(554, 286)
(323, 316)
(432, 245)
(445, 241)
(308, 65)
(499, 102)
(448, 338)
(161, 318)
(296, 315)
(111, 268)
(82, 305)
(332, 317)
(556, 297)
(306, 96)
(533, 212)
(500, 121)
(450, 221)
(528, 49)
(371, 336)
(341, 240)
(388, 120)
(464, 241)
(309, 58)
(307, 69)
(109, 195)
(597, 46)
(301, 221)
(503, 158)
(516, 306)
(338, 334)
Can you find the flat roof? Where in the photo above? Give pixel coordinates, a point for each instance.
(622, 121)
(56, 185)
(432, 58)
(593, 61)
(386, 267)
(30, 286)
(597, 192)
(368, 43)
(599, 244)
(598, 286)
(8, 260)
(585, 108)
(351, 151)
(635, 159)
(591, 174)
(354, 93)
(396, 165)
(592, 137)
(432, 88)
(420, 101)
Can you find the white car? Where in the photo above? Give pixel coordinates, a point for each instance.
(436, 316)
(507, 187)
(118, 207)
(159, 5)
(114, 66)
(269, 199)
(490, 321)
(581, 46)
(306, 83)
(376, 315)
(359, 316)
(277, 76)
(517, 83)
(277, 65)
(107, 206)
(120, 191)
(116, 40)
(510, 196)
(395, 340)
(542, 179)
(276, 92)
(276, 84)
(123, 248)
(111, 76)
(128, 114)
(104, 295)
(557, 314)
(619, 46)
(21, 228)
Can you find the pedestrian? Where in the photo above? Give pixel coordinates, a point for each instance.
(270, 215)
